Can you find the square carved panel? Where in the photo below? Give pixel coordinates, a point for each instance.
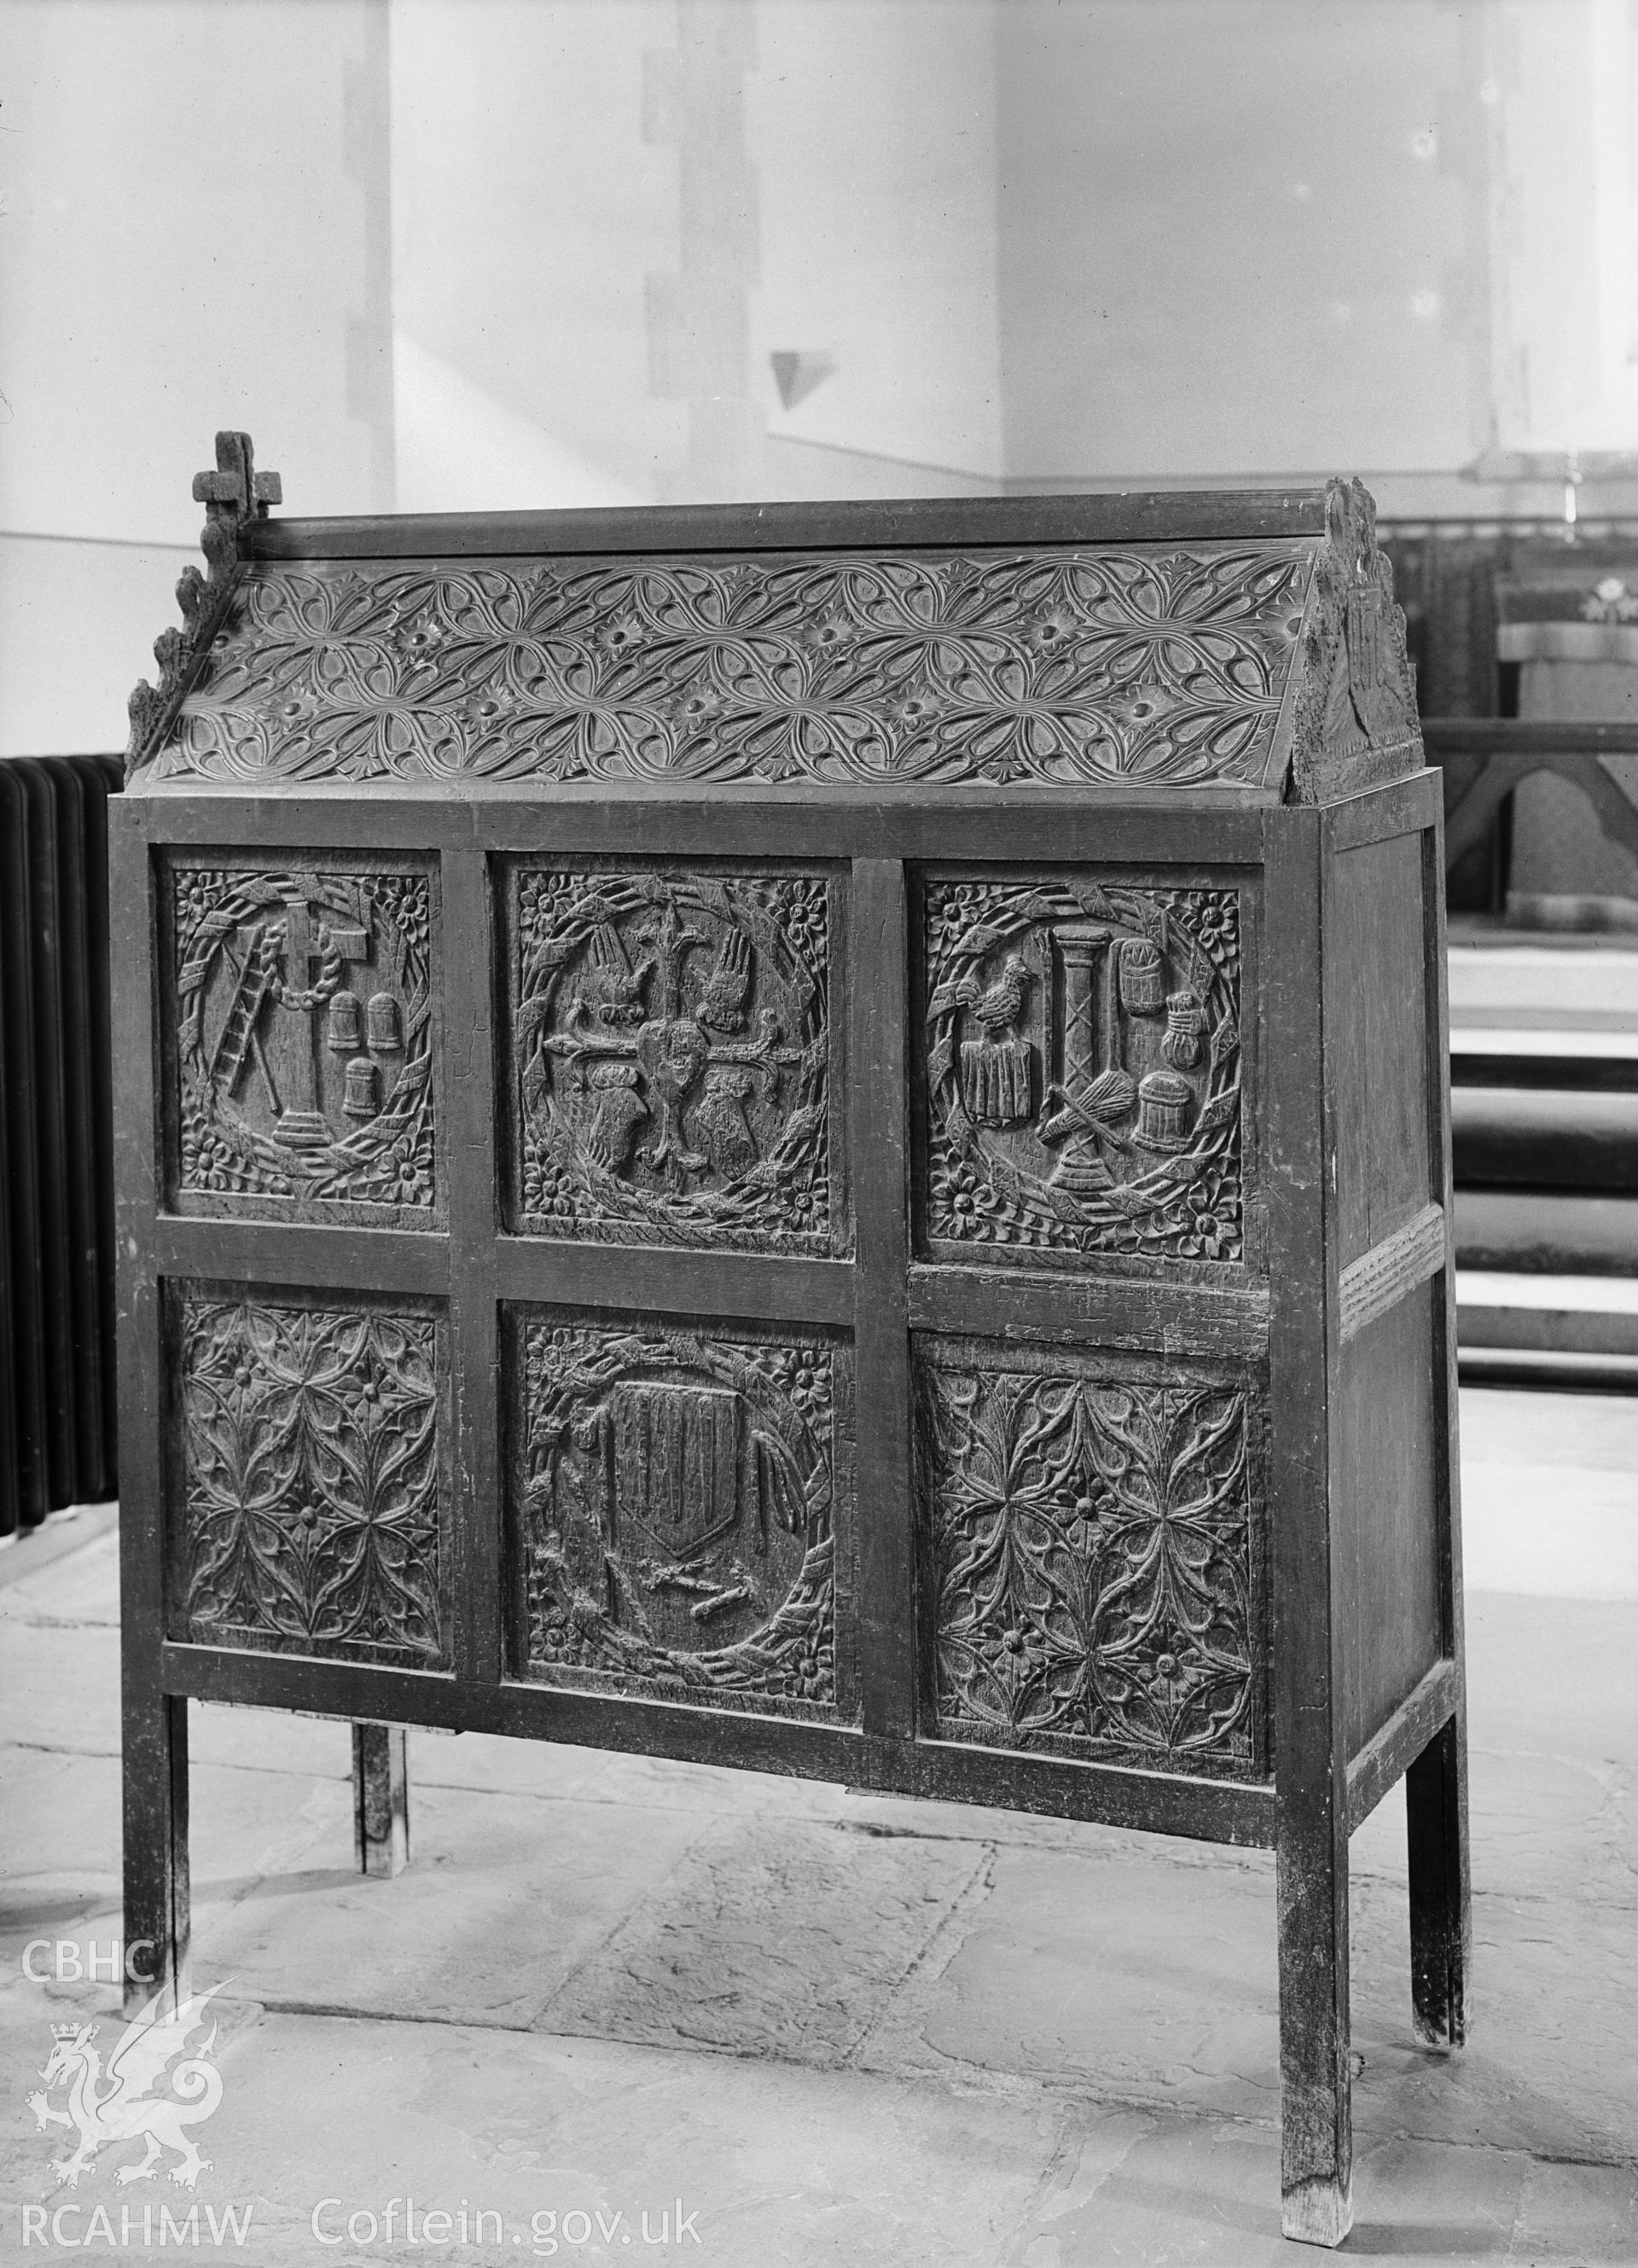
(682, 1513)
(310, 1453)
(1082, 1051)
(301, 1039)
(1091, 1570)
(672, 1069)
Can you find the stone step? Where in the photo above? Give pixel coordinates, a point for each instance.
(1536, 1232)
(1530, 1137)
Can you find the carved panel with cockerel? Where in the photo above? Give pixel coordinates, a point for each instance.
(1083, 1068)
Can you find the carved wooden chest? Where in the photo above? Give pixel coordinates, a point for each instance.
(815, 1138)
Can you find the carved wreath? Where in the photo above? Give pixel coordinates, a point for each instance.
(783, 1196)
(388, 1160)
(787, 1391)
(1186, 1205)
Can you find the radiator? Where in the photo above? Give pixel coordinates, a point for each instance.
(57, 1164)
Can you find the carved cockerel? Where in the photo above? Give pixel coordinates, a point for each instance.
(998, 1005)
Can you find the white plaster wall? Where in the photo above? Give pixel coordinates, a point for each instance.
(527, 209)
(873, 128)
(183, 248)
(184, 245)
(1223, 235)
(1564, 91)
(1039, 240)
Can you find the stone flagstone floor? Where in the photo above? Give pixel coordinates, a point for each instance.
(841, 2028)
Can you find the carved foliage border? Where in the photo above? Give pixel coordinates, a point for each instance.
(799, 1393)
(309, 1512)
(1188, 1207)
(1161, 665)
(1091, 1560)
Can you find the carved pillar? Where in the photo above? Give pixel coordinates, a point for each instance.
(1085, 1042)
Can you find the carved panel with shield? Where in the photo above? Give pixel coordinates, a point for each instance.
(682, 1513)
(673, 1074)
(1092, 1579)
(310, 1441)
(302, 1018)
(1083, 1068)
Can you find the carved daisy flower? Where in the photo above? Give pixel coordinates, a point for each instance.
(419, 639)
(1052, 629)
(1214, 917)
(803, 918)
(699, 708)
(966, 1202)
(826, 633)
(1019, 1653)
(799, 1206)
(1078, 1505)
(1204, 1225)
(912, 711)
(619, 635)
(952, 908)
(487, 711)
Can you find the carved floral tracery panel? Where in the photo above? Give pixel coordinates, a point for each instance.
(1083, 1068)
(311, 1469)
(303, 1038)
(679, 1514)
(672, 1050)
(1159, 665)
(1089, 1580)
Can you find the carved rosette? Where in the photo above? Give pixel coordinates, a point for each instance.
(1160, 666)
(671, 1059)
(310, 1456)
(1083, 1068)
(679, 1515)
(304, 1041)
(1088, 1582)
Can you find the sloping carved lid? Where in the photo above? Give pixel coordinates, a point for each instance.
(1245, 643)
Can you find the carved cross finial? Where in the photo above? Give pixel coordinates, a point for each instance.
(236, 491)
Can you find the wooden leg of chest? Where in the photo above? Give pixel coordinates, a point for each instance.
(1436, 1810)
(156, 1907)
(381, 1798)
(1317, 2126)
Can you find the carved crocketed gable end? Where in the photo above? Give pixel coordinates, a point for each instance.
(1142, 647)
(1354, 721)
(233, 494)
